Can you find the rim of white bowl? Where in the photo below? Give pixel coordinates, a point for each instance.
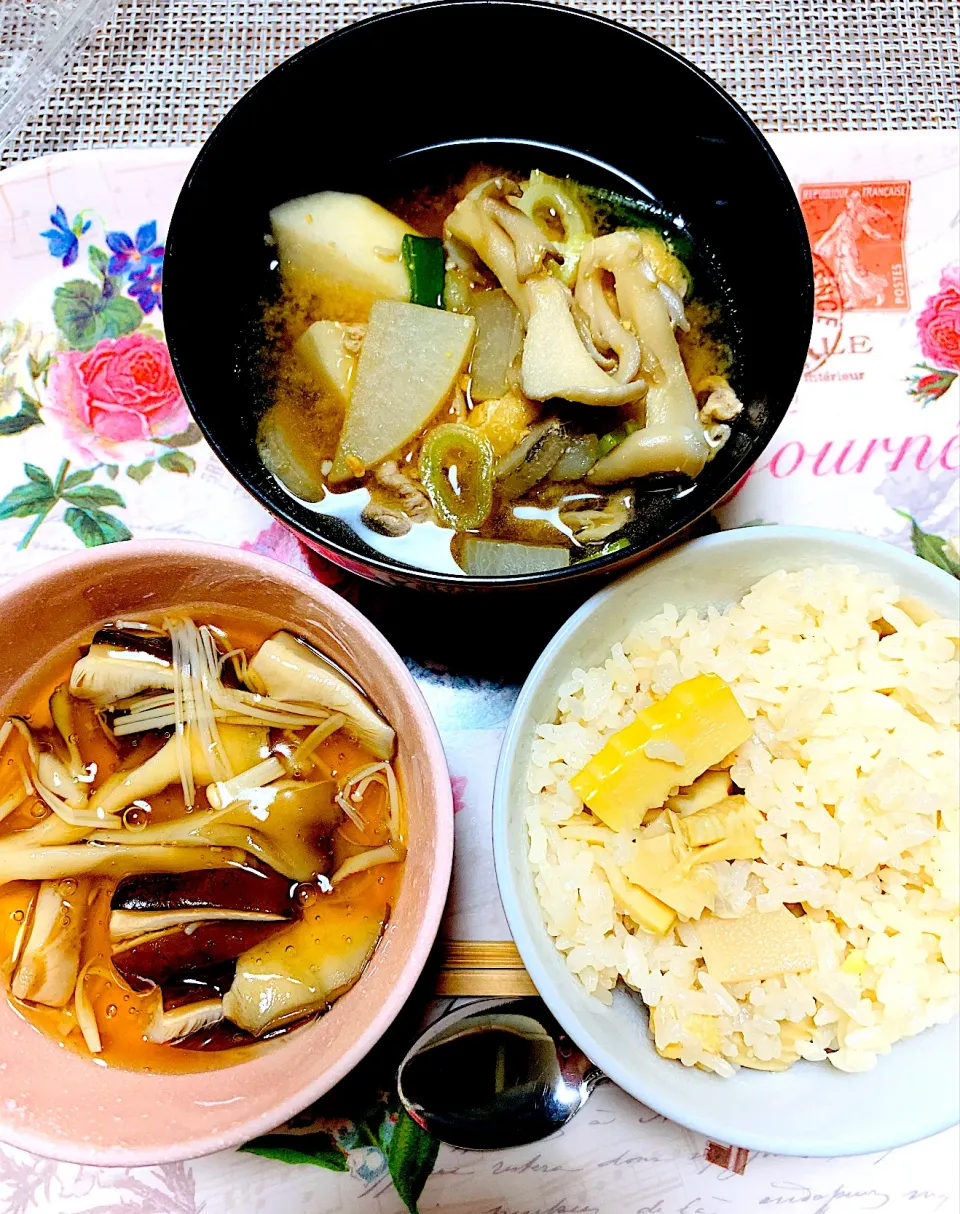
(682, 1112)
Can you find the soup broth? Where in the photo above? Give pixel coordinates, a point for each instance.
(490, 375)
(169, 923)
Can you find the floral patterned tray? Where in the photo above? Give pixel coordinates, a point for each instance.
(96, 445)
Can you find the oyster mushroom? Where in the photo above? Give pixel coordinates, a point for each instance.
(292, 672)
(169, 1025)
(592, 520)
(303, 967)
(27, 862)
(555, 362)
(61, 713)
(284, 825)
(672, 440)
(50, 961)
(242, 747)
(122, 661)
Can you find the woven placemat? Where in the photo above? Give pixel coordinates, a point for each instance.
(164, 71)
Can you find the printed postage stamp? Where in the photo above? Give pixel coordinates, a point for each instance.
(857, 229)
(827, 316)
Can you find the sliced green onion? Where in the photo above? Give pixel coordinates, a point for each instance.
(424, 259)
(456, 470)
(616, 437)
(591, 554)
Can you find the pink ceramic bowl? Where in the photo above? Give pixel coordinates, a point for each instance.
(59, 1104)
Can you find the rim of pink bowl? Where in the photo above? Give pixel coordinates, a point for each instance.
(38, 1143)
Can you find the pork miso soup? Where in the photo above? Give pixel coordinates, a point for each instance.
(490, 377)
(201, 838)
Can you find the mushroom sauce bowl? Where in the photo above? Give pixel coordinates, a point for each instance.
(226, 838)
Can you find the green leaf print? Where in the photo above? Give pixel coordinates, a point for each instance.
(85, 312)
(411, 1158)
(93, 496)
(28, 499)
(28, 415)
(75, 313)
(177, 461)
(931, 547)
(119, 316)
(84, 515)
(98, 260)
(318, 1149)
(95, 527)
(38, 475)
(187, 438)
(140, 472)
(39, 368)
(78, 478)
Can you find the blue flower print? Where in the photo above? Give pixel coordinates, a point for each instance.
(146, 287)
(134, 256)
(64, 237)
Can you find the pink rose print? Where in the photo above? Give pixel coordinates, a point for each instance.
(939, 324)
(458, 785)
(115, 401)
(938, 328)
(282, 544)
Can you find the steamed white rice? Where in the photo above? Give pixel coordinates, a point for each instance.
(854, 763)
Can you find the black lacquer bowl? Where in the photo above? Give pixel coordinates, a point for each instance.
(501, 81)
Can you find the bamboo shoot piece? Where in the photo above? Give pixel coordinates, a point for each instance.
(669, 744)
(758, 945)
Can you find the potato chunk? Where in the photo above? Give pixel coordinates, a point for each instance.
(343, 238)
(409, 363)
(328, 352)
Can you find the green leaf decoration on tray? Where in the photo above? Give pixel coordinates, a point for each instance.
(411, 1159)
(85, 514)
(189, 438)
(177, 461)
(15, 340)
(318, 1149)
(360, 1128)
(932, 548)
(97, 260)
(84, 312)
(29, 415)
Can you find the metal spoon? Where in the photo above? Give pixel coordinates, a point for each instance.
(496, 1073)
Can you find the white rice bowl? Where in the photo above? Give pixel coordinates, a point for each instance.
(854, 763)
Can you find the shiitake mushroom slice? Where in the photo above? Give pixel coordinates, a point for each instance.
(152, 902)
(160, 957)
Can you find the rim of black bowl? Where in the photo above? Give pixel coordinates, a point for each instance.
(393, 571)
